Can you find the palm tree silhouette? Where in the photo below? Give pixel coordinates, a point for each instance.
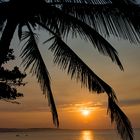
(89, 19)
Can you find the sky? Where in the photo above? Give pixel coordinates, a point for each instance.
(70, 98)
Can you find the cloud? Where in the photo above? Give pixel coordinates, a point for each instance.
(92, 105)
(79, 106)
(69, 107)
(132, 102)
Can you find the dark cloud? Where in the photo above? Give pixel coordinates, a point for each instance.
(132, 102)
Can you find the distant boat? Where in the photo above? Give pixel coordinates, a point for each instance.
(17, 135)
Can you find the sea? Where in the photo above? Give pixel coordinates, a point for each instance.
(62, 134)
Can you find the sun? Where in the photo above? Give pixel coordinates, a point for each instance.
(85, 112)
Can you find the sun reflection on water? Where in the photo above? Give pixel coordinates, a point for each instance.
(87, 135)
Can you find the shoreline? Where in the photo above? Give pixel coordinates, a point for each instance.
(2, 130)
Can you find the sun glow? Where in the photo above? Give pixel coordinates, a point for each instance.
(85, 112)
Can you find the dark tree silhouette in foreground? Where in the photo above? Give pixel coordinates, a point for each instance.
(89, 19)
(9, 80)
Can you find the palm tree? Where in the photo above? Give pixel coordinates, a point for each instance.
(89, 19)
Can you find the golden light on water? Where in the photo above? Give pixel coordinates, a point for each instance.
(87, 135)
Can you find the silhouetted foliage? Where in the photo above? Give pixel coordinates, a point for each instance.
(9, 80)
(92, 20)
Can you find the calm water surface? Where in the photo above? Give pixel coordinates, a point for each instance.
(65, 135)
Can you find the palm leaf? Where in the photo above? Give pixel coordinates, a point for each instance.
(2, 21)
(58, 2)
(20, 30)
(7, 35)
(2, 17)
(3, 14)
(108, 18)
(123, 2)
(76, 68)
(67, 59)
(122, 122)
(67, 24)
(31, 56)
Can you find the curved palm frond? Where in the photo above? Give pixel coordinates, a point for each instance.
(6, 38)
(67, 24)
(131, 10)
(2, 17)
(58, 2)
(20, 31)
(106, 19)
(123, 2)
(77, 69)
(123, 124)
(67, 59)
(111, 17)
(32, 57)
(2, 21)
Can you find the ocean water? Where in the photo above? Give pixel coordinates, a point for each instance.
(65, 135)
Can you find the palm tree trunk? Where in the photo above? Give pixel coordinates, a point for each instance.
(6, 38)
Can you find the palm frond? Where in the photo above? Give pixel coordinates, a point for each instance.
(7, 35)
(108, 18)
(68, 24)
(123, 124)
(76, 68)
(61, 2)
(3, 15)
(67, 59)
(123, 2)
(2, 21)
(32, 57)
(20, 26)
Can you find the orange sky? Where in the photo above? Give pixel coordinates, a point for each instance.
(70, 97)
